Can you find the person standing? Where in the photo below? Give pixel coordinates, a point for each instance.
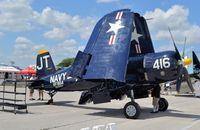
(40, 91)
(31, 89)
(156, 97)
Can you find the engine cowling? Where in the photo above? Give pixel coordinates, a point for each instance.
(160, 67)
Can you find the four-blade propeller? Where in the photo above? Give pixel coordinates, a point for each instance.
(182, 63)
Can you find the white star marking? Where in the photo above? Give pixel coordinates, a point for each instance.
(115, 27)
(135, 35)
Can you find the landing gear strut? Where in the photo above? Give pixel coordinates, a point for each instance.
(132, 109)
(51, 94)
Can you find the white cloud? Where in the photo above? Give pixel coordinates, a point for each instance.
(56, 33)
(22, 43)
(166, 46)
(25, 49)
(16, 15)
(53, 18)
(19, 16)
(106, 1)
(64, 25)
(68, 48)
(176, 18)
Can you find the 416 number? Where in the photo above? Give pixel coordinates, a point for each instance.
(162, 63)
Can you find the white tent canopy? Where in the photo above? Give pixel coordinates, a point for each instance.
(6, 68)
(10, 70)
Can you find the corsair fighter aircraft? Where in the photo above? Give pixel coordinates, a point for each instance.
(119, 59)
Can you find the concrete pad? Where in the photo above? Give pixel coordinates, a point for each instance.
(183, 114)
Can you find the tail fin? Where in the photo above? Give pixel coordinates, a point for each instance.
(44, 64)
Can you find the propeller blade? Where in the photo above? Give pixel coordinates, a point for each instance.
(179, 79)
(183, 54)
(187, 78)
(183, 72)
(178, 56)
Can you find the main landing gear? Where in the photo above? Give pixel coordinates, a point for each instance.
(51, 94)
(132, 110)
(163, 104)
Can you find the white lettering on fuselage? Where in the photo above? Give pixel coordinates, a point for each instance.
(163, 63)
(58, 78)
(41, 62)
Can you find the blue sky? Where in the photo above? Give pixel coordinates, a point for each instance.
(64, 26)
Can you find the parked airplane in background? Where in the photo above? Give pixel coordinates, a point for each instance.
(196, 66)
(119, 60)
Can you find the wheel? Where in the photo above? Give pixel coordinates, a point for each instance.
(50, 102)
(132, 110)
(85, 98)
(163, 104)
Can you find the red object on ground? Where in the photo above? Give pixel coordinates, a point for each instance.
(28, 70)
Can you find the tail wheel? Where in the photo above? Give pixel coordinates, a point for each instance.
(163, 104)
(132, 110)
(50, 102)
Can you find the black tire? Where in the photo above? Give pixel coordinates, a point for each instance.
(163, 104)
(85, 98)
(132, 110)
(50, 102)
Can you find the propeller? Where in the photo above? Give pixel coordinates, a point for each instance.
(183, 55)
(182, 70)
(178, 56)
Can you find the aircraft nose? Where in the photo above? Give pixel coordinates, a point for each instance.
(187, 61)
